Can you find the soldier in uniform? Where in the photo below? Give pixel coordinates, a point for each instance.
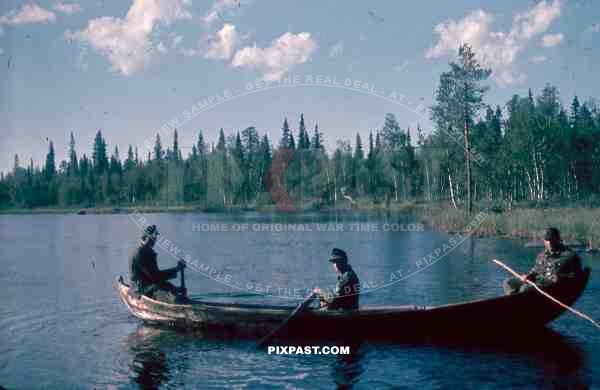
(556, 262)
(347, 287)
(146, 278)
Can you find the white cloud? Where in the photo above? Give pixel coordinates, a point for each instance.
(191, 52)
(177, 40)
(400, 68)
(538, 59)
(498, 50)
(222, 45)
(218, 8)
(126, 41)
(336, 50)
(506, 78)
(472, 29)
(161, 47)
(67, 8)
(551, 40)
(537, 19)
(29, 13)
(276, 60)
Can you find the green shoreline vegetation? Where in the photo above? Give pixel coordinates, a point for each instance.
(580, 225)
(530, 163)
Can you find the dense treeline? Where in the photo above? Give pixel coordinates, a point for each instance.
(533, 149)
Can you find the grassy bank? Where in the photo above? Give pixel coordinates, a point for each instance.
(579, 224)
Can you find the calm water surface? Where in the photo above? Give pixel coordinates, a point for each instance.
(62, 325)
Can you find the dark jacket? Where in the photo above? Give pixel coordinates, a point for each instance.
(347, 289)
(550, 266)
(144, 270)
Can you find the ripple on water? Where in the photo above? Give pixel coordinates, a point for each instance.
(62, 325)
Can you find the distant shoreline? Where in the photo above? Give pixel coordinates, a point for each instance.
(394, 208)
(577, 224)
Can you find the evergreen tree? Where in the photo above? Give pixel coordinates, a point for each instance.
(99, 155)
(221, 141)
(130, 161)
(176, 152)
(534, 150)
(238, 150)
(392, 135)
(50, 167)
(316, 142)
(359, 168)
(251, 141)
(359, 154)
(200, 146)
(303, 142)
(115, 162)
(459, 98)
(73, 166)
(16, 165)
(158, 150)
(265, 152)
(287, 139)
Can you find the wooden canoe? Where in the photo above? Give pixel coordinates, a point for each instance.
(482, 317)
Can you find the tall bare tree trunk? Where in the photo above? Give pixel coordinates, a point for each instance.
(469, 183)
(451, 189)
(428, 196)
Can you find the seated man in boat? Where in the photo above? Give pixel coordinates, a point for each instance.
(556, 262)
(146, 278)
(347, 287)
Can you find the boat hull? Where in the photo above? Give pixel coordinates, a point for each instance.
(520, 311)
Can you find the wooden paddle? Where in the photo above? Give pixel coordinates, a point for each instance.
(297, 310)
(182, 282)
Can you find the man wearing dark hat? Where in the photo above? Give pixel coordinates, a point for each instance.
(146, 278)
(347, 287)
(556, 262)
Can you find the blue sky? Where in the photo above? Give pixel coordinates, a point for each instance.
(130, 66)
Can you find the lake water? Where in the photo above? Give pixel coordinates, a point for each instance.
(63, 326)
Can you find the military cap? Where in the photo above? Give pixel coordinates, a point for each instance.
(552, 235)
(338, 256)
(150, 231)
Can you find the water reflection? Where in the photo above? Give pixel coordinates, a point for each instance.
(160, 357)
(346, 369)
(149, 367)
(560, 360)
(101, 347)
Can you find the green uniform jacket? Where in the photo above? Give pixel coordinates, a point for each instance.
(551, 266)
(144, 271)
(346, 291)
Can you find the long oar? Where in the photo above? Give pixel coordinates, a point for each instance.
(520, 277)
(297, 310)
(182, 281)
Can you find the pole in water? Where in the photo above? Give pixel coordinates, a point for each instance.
(298, 309)
(521, 278)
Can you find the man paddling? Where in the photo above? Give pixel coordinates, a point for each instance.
(347, 287)
(556, 262)
(146, 278)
